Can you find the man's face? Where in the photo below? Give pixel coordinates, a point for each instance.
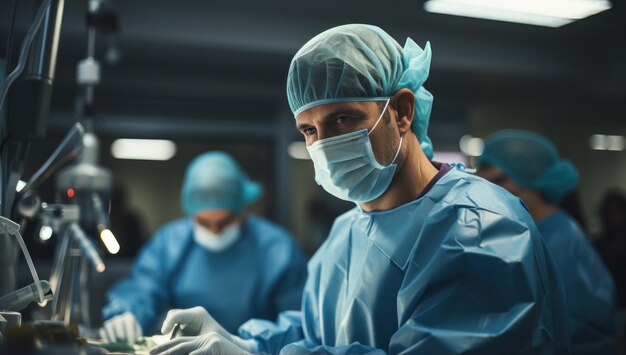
(325, 121)
(497, 176)
(215, 220)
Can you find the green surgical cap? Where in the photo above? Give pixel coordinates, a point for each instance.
(214, 181)
(532, 161)
(361, 63)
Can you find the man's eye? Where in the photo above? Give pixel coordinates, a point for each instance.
(339, 120)
(308, 131)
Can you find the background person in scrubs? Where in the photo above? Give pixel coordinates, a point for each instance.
(431, 260)
(528, 165)
(236, 266)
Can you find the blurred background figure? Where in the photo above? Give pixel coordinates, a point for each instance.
(528, 165)
(237, 266)
(612, 248)
(571, 204)
(612, 242)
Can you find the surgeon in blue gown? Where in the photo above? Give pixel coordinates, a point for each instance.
(431, 260)
(528, 165)
(235, 265)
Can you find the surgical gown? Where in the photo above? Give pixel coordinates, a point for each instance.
(460, 270)
(588, 285)
(262, 274)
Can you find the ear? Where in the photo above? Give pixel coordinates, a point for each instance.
(404, 103)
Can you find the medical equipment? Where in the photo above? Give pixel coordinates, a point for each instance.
(15, 300)
(89, 186)
(63, 219)
(26, 106)
(87, 183)
(20, 299)
(31, 81)
(70, 266)
(175, 331)
(9, 227)
(28, 103)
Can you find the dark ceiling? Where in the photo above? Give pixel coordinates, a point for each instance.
(227, 60)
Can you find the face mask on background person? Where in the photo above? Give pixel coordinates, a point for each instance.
(345, 165)
(216, 242)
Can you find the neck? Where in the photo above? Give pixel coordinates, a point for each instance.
(412, 176)
(538, 208)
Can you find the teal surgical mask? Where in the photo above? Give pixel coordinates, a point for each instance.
(345, 165)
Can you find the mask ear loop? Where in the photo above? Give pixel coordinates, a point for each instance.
(398, 151)
(376, 124)
(379, 118)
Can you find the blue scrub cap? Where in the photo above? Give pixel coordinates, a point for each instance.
(532, 161)
(214, 181)
(361, 63)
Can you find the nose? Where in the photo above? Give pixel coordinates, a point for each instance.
(216, 228)
(321, 133)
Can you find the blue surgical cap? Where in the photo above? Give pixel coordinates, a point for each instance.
(360, 63)
(214, 181)
(532, 161)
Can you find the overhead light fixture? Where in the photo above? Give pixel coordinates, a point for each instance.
(607, 142)
(297, 150)
(471, 146)
(551, 13)
(143, 149)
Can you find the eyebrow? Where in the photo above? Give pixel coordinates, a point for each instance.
(340, 111)
(301, 126)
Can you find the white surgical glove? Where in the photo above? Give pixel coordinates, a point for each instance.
(197, 321)
(122, 328)
(206, 344)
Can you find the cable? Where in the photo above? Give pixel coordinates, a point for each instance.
(28, 41)
(9, 50)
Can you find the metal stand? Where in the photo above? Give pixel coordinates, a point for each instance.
(70, 269)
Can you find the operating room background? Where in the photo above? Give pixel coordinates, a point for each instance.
(211, 75)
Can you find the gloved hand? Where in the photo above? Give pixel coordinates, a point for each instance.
(122, 328)
(193, 321)
(207, 344)
(197, 321)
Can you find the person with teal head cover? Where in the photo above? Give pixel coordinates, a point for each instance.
(219, 258)
(431, 260)
(528, 165)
